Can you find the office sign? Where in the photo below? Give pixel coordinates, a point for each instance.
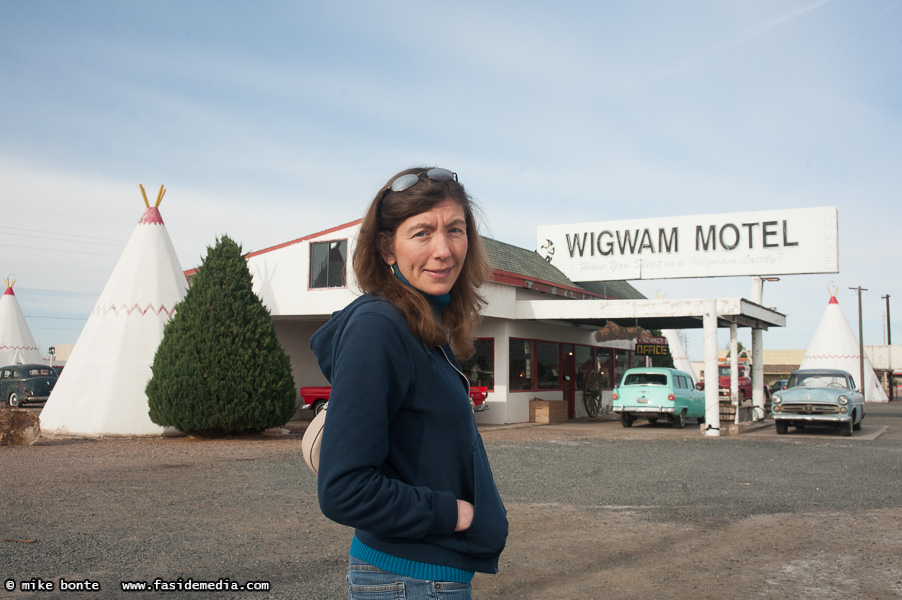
(653, 346)
(767, 242)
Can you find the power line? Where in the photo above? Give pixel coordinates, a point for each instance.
(56, 250)
(74, 235)
(28, 289)
(56, 239)
(68, 318)
(180, 254)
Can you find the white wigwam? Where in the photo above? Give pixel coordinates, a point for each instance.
(677, 352)
(101, 390)
(834, 346)
(17, 345)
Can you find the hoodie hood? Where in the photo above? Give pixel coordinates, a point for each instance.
(325, 341)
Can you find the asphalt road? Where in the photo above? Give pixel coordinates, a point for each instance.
(596, 511)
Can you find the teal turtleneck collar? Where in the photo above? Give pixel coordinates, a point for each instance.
(439, 302)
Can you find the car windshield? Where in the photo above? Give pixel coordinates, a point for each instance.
(645, 379)
(818, 380)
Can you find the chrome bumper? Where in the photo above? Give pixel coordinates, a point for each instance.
(806, 418)
(646, 410)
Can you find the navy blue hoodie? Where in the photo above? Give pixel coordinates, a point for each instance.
(400, 445)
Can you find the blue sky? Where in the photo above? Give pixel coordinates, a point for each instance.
(268, 121)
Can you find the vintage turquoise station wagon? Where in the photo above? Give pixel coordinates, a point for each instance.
(656, 392)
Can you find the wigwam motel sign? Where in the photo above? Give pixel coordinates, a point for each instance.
(767, 242)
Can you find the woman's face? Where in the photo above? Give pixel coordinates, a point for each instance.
(430, 248)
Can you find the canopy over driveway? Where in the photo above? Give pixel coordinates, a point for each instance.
(651, 314)
(709, 314)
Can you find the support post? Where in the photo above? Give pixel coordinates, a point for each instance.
(758, 371)
(861, 346)
(757, 291)
(734, 371)
(712, 402)
(889, 349)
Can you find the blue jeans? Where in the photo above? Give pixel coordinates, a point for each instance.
(366, 582)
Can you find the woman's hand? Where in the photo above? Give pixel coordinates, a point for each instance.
(465, 512)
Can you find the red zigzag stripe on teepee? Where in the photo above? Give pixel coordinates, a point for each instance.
(18, 348)
(833, 356)
(150, 308)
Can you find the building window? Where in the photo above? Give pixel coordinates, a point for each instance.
(637, 361)
(534, 365)
(621, 364)
(522, 363)
(605, 366)
(328, 264)
(585, 362)
(480, 368)
(549, 366)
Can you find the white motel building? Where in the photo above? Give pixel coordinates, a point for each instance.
(304, 281)
(537, 336)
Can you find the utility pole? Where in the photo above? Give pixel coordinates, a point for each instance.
(889, 343)
(860, 346)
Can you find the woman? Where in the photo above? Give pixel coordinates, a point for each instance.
(402, 461)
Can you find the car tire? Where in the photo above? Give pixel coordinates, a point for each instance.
(845, 429)
(14, 400)
(856, 426)
(782, 427)
(318, 406)
(679, 420)
(626, 421)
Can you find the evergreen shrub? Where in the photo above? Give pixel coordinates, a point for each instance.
(220, 368)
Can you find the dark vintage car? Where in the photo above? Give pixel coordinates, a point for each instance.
(778, 385)
(825, 397)
(26, 383)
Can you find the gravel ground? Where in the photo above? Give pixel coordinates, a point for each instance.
(596, 511)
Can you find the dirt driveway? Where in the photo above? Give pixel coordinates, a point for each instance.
(596, 511)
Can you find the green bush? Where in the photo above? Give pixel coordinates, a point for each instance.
(220, 368)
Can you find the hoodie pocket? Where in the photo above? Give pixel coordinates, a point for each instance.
(487, 534)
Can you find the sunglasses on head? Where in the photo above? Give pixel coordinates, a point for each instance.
(405, 182)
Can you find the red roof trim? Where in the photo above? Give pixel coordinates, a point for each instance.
(541, 285)
(301, 239)
(291, 243)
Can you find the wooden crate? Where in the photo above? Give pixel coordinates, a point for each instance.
(547, 411)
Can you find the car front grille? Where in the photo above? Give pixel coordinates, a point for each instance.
(803, 408)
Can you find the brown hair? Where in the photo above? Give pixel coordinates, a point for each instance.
(386, 212)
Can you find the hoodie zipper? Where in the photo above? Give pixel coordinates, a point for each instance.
(459, 372)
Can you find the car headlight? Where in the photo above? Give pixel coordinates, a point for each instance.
(843, 400)
(776, 399)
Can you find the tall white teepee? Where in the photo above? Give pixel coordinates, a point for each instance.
(101, 390)
(835, 346)
(17, 345)
(677, 352)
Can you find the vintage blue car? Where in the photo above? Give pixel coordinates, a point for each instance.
(656, 392)
(819, 397)
(26, 383)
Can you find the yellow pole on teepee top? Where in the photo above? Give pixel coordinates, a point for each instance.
(160, 196)
(143, 193)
